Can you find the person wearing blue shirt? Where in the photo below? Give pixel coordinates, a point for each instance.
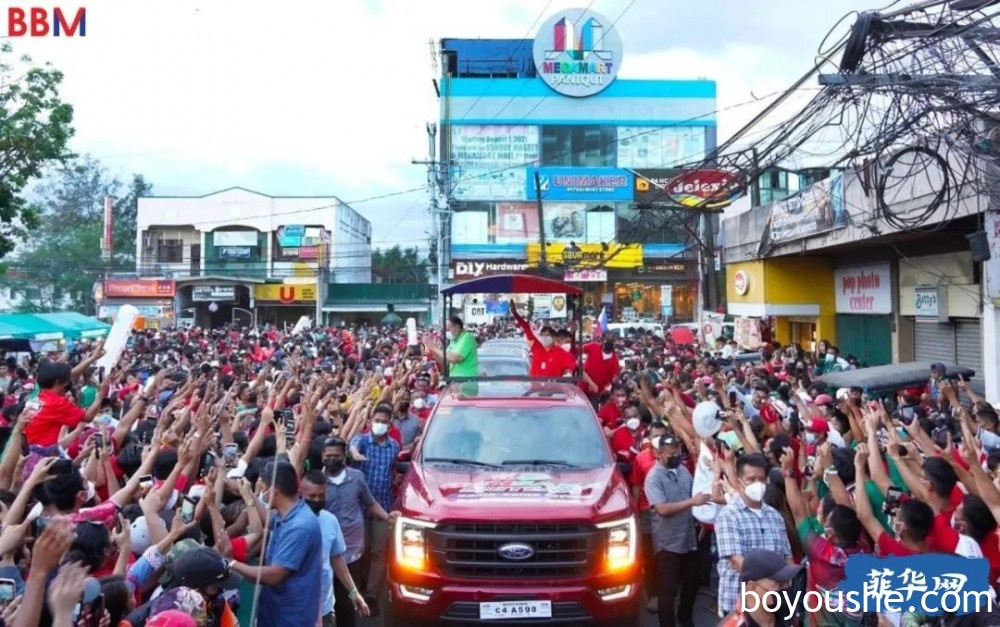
(375, 455)
(293, 560)
(314, 493)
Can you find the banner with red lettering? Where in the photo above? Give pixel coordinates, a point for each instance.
(864, 289)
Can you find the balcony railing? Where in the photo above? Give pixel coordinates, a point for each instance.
(233, 269)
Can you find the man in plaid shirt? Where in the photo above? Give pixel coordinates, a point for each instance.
(374, 455)
(747, 523)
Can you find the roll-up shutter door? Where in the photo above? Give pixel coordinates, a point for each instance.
(934, 341)
(969, 349)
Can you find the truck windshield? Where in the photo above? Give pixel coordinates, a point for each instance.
(567, 437)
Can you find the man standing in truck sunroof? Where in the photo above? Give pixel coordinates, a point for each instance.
(547, 359)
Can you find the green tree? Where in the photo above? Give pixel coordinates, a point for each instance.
(399, 265)
(35, 126)
(67, 260)
(125, 223)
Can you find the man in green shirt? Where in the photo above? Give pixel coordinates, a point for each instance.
(462, 352)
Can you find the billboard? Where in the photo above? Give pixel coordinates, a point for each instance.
(657, 147)
(139, 288)
(584, 256)
(464, 270)
(597, 184)
(285, 294)
(518, 223)
(816, 209)
(489, 161)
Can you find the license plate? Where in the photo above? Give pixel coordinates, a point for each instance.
(505, 610)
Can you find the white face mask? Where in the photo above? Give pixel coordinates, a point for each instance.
(989, 439)
(632, 424)
(380, 429)
(830, 357)
(546, 340)
(607, 355)
(418, 403)
(449, 335)
(755, 491)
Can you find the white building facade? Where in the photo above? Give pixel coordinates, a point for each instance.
(240, 255)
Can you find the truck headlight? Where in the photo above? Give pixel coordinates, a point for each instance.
(411, 544)
(621, 542)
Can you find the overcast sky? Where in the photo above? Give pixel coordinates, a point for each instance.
(333, 97)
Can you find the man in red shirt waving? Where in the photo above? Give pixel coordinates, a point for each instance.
(601, 365)
(547, 359)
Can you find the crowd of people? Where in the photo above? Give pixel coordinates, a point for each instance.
(217, 477)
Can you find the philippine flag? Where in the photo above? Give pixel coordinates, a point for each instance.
(602, 323)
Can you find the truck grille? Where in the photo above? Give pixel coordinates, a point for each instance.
(472, 550)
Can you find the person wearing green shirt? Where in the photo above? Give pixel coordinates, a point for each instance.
(462, 352)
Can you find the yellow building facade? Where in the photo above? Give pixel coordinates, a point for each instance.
(797, 292)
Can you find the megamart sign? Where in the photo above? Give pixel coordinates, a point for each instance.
(577, 53)
(863, 289)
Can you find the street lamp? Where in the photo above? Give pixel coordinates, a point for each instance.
(213, 307)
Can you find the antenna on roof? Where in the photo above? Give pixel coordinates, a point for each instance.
(434, 56)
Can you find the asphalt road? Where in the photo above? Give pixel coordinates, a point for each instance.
(704, 617)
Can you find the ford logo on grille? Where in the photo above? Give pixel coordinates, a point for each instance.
(516, 551)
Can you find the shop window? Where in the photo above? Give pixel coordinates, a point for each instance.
(590, 146)
(170, 251)
(644, 301)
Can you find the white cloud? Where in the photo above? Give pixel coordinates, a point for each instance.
(317, 97)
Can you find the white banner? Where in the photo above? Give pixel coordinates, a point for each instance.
(711, 326)
(863, 289)
(666, 300)
(235, 238)
(476, 314)
(993, 265)
(652, 147)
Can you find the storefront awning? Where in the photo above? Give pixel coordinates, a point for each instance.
(374, 308)
(760, 310)
(52, 326)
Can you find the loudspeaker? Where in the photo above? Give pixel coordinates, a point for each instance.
(390, 308)
(980, 246)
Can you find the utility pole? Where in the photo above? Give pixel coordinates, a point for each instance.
(437, 218)
(543, 254)
(755, 182)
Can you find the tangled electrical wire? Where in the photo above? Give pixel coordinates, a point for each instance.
(908, 92)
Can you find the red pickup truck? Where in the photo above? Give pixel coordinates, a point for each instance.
(513, 511)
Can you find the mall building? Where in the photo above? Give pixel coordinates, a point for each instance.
(549, 117)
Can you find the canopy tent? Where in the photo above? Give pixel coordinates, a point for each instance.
(77, 326)
(512, 284)
(51, 326)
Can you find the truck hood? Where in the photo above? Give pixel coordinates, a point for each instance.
(453, 493)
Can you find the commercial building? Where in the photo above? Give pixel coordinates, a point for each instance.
(887, 278)
(240, 255)
(549, 117)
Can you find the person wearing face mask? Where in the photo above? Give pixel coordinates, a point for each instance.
(745, 524)
(547, 359)
(349, 499)
(313, 489)
(668, 488)
(293, 559)
(462, 353)
(602, 367)
(626, 438)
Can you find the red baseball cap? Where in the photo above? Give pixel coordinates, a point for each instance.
(818, 425)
